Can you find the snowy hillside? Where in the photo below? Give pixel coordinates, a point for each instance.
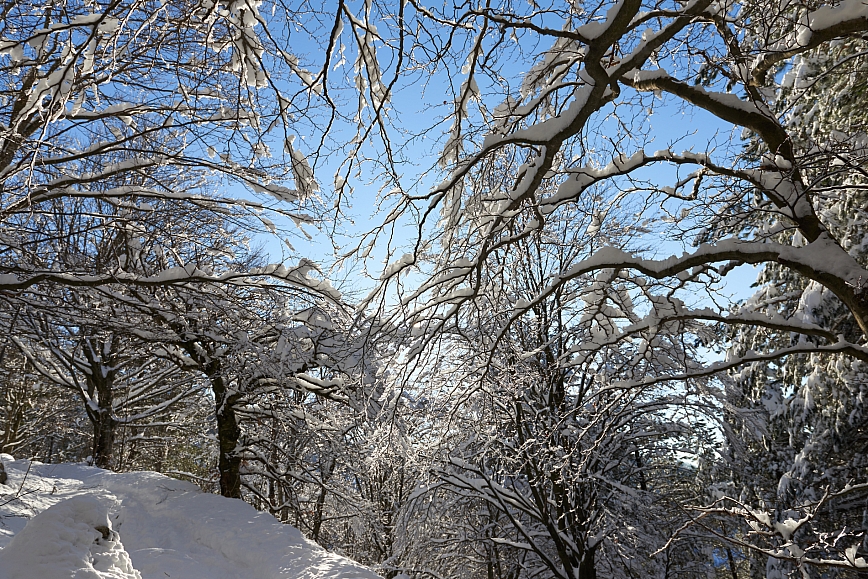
(73, 521)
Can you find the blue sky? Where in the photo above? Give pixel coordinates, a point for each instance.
(419, 104)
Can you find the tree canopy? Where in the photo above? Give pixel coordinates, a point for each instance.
(548, 376)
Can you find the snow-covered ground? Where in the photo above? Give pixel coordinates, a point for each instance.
(78, 522)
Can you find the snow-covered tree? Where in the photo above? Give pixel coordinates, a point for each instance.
(550, 465)
(118, 380)
(565, 95)
(573, 401)
(139, 104)
(253, 342)
(808, 415)
(29, 414)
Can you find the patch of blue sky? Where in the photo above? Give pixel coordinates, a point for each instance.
(418, 118)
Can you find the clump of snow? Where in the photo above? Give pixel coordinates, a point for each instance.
(70, 539)
(79, 522)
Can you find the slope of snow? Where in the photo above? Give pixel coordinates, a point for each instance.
(75, 521)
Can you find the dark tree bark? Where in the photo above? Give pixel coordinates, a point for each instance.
(228, 433)
(100, 384)
(103, 438)
(587, 567)
(327, 472)
(228, 427)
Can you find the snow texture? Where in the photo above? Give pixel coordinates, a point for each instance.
(79, 522)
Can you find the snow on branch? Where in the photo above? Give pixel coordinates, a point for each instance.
(815, 28)
(297, 277)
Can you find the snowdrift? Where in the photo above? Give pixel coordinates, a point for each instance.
(74, 521)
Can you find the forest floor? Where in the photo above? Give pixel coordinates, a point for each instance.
(74, 521)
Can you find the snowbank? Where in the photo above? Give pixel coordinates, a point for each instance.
(73, 521)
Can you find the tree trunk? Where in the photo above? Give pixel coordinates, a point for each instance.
(101, 358)
(103, 438)
(587, 567)
(731, 561)
(320, 500)
(228, 435)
